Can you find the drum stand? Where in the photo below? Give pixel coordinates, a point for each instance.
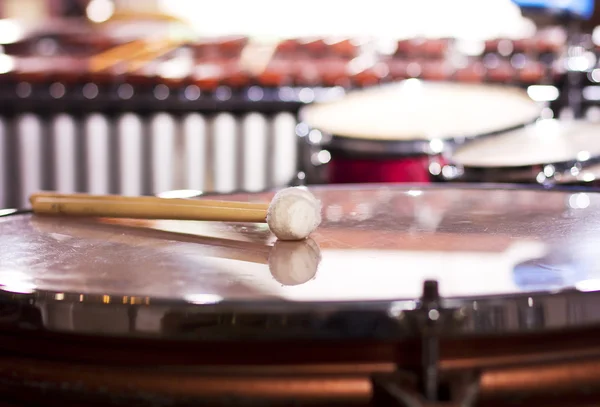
(549, 378)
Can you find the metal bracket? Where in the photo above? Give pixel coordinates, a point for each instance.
(431, 325)
(401, 389)
(425, 387)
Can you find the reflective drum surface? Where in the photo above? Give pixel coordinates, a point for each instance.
(401, 132)
(376, 243)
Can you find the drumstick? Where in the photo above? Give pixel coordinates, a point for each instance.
(293, 213)
(181, 201)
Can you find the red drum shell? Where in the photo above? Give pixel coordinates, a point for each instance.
(409, 169)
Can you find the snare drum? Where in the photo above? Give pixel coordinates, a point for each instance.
(439, 294)
(547, 152)
(401, 132)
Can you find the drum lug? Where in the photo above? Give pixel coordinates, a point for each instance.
(425, 386)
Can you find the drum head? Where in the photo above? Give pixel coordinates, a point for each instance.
(414, 110)
(376, 247)
(545, 142)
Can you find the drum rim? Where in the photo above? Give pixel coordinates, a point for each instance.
(398, 320)
(464, 308)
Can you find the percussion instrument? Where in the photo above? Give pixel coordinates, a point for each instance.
(142, 115)
(296, 62)
(443, 294)
(546, 152)
(401, 132)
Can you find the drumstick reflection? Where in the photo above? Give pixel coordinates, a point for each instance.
(290, 262)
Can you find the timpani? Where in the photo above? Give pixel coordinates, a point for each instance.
(437, 294)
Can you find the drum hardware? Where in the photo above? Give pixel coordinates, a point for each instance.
(548, 175)
(400, 390)
(425, 386)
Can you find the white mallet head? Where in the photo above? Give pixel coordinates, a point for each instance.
(294, 213)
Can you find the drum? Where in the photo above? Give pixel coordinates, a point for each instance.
(547, 152)
(443, 294)
(401, 132)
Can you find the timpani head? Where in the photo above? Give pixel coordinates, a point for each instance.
(173, 259)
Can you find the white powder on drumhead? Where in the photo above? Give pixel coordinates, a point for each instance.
(294, 213)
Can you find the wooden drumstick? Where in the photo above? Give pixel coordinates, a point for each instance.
(180, 201)
(292, 214)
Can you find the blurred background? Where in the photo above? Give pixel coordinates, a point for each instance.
(142, 97)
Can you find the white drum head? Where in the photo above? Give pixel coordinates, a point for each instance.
(417, 110)
(545, 142)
